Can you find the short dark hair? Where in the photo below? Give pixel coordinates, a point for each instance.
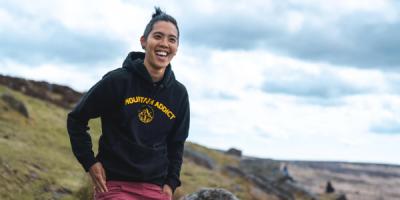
(159, 15)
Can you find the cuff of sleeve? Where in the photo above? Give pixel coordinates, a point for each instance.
(173, 183)
(87, 162)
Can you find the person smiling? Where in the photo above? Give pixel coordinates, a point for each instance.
(141, 145)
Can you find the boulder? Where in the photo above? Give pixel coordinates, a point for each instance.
(234, 152)
(15, 104)
(199, 158)
(270, 184)
(57, 94)
(211, 193)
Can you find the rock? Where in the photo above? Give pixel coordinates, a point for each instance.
(234, 152)
(15, 104)
(210, 194)
(333, 196)
(57, 94)
(341, 197)
(259, 194)
(199, 158)
(269, 184)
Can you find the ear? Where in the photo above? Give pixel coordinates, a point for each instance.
(143, 42)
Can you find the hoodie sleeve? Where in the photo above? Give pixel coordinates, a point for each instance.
(96, 102)
(175, 144)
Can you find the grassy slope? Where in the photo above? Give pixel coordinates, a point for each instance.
(195, 177)
(36, 160)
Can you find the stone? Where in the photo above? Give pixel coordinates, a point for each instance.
(199, 158)
(15, 104)
(211, 193)
(234, 152)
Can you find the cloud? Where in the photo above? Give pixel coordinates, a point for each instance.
(342, 33)
(320, 86)
(345, 33)
(390, 127)
(50, 41)
(324, 83)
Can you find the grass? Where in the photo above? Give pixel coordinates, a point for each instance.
(36, 159)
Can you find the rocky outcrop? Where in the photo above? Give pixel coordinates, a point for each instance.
(265, 175)
(210, 194)
(199, 158)
(234, 152)
(15, 104)
(57, 94)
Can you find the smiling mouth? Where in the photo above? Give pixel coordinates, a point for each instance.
(162, 53)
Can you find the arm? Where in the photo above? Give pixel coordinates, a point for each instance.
(92, 105)
(175, 145)
(96, 102)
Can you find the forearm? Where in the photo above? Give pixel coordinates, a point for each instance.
(80, 141)
(175, 153)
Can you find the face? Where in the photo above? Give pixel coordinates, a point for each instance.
(161, 45)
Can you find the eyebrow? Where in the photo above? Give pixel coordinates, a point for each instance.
(161, 33)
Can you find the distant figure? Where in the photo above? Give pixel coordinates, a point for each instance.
(285, 172)
(329, 188)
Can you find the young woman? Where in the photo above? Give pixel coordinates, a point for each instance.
(144, 114)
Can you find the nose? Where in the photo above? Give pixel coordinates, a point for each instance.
(164, 42)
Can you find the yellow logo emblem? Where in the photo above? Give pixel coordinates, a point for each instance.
(146, 114)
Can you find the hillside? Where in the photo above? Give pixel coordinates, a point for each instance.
(357, 180)
(36, 161)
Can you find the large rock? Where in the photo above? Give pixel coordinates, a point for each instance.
(262, 177)
(15, 104)
(211, 194)
(234, 152)
(57, 94)
(199, 158)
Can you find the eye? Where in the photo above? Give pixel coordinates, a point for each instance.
(157, 36)
(172, 40)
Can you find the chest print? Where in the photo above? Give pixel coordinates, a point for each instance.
(146, 112)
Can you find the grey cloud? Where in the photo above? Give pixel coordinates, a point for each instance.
(389, 127)
(55, 42)
(322, 102)
(394, 81)
(322, 86)
(356, 43)
(229, 32)
(360, 39)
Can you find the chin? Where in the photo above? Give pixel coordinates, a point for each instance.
(161, 66)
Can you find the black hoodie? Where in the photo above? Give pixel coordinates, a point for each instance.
(144, 124)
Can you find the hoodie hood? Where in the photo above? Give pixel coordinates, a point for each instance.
(134, 63)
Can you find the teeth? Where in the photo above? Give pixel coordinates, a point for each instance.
(161, 53)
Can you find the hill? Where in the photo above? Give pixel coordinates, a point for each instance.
(36, 161)
(359, 181)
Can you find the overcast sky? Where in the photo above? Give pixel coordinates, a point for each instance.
(304, 80)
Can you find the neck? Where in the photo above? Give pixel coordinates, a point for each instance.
(156, 73)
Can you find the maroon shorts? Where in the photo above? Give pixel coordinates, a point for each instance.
(121, 190)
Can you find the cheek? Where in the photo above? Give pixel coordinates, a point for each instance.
(174, 49)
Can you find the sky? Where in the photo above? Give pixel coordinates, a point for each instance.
(298, 80)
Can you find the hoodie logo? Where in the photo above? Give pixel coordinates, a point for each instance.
(146, 114)
(150, 102)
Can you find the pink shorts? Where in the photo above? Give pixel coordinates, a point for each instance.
(121, 190)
